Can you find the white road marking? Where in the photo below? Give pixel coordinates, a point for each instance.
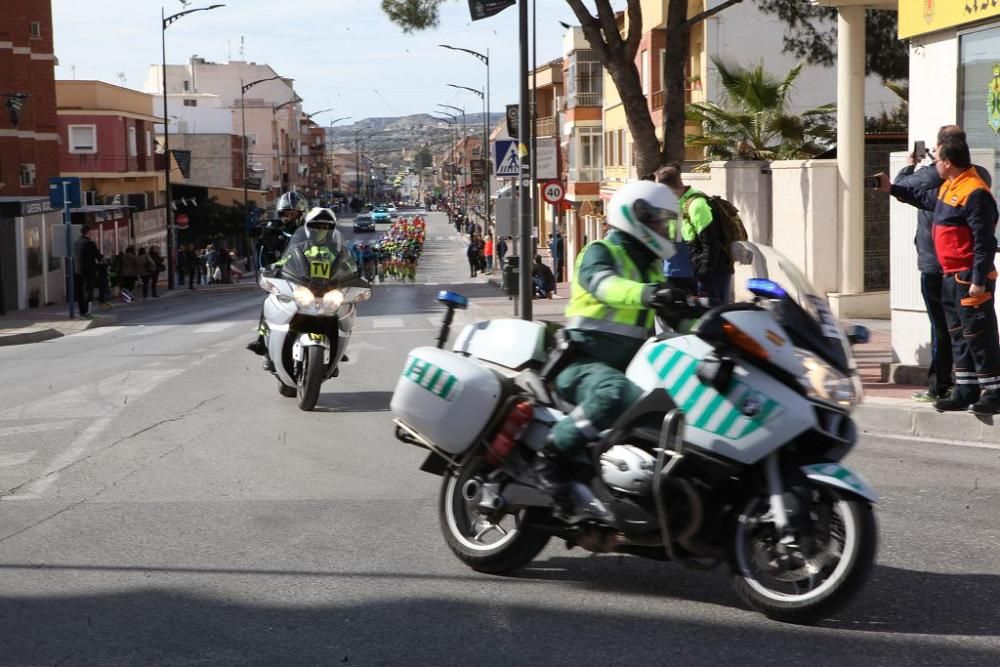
(387, 323)
(15, 459)
(931, 441)
(99, 331)
(112, 397)
(35, 428)
(214, 327)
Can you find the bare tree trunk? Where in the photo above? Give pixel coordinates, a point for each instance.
(676, 55)
(640, 123)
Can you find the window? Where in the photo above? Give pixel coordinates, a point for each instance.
(979, 71)
(83, 139)
(620, 147)
(584, 80)
(187, 86)
(644, 63)
(663, 69)
(133, 148)
(149, 142)
(585, 155)
(36, 30)
(190, 103)
(27, 175)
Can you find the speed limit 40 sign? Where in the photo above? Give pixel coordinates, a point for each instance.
(552, 192)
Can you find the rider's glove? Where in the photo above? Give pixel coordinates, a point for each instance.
(663, 297)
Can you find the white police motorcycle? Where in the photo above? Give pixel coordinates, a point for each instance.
(309, 313)
(732, 456)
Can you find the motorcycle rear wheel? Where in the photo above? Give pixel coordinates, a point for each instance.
(838, 562)
(465, 527)
(310, 377)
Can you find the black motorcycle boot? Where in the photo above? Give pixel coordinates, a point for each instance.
(550, 468)
(268, 364)
(988, 404)
(258, 346)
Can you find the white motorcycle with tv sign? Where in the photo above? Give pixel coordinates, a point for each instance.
(310, 310)
(732, 456)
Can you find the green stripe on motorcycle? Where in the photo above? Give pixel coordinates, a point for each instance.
(701, 421)
(655, 353)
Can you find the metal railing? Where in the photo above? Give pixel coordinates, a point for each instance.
(583, 100)
(545, 126)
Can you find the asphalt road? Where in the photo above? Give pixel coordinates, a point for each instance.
(163, 505)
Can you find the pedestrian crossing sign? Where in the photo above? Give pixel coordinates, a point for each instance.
(505, 157)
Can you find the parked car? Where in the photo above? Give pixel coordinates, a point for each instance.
(364, 223)
(393, 213)
(380, 214)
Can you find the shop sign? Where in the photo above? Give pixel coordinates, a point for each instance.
(919, 17)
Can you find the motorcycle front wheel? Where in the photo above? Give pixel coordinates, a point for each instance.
(310, 377)
(493, 542)
(829, 561)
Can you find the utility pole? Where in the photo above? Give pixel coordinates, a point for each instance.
(524, 185)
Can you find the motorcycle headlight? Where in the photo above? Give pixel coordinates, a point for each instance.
(333, 299)
(823, 382)
(303, 296)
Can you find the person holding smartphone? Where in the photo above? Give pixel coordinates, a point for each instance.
(962, 234)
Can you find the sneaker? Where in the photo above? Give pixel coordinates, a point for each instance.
(258, 346)
(988, 404)
(951, 405)
(927, 396)
(89, 316)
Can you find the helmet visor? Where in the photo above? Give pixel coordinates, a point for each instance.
(648, 214)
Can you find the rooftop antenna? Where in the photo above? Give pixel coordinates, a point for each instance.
(243, 50)
(122, 78)
(229, 50)
(73, 69)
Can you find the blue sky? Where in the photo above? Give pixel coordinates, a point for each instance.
(342, 53)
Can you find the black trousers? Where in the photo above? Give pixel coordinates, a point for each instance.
(83, 286)
(939, 379)
(975, 342)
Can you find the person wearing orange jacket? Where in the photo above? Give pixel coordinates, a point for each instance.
(964, 228)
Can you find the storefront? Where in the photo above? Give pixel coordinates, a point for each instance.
(30, 274)
(109, 227)
(954, 79)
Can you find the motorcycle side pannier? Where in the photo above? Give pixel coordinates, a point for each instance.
(445, 398)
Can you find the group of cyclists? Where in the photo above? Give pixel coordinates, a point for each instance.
(395, 255)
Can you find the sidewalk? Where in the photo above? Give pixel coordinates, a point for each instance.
(888, 409)
(19, 327)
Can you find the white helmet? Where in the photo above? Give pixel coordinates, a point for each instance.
(320, 223)
(638, 204)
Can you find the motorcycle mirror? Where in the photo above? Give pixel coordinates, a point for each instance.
(858, 334)
(716, 372)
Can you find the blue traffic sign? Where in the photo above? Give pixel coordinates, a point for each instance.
(505, 158)
(71, 187)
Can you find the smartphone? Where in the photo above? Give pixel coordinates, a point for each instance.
(872, 182)
(919, 150)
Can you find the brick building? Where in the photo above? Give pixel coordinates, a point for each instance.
(29, 149)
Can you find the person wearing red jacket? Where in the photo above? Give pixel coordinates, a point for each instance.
(965, 219)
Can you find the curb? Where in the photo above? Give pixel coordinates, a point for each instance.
(26, 337)
(905, 418)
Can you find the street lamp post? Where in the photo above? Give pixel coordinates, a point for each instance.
(485, 59)
(332, 156)
(453, 121)
(244, 87)
(485, 146)
(165, 22)
(464, 157)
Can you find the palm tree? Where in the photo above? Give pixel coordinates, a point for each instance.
(753, 120)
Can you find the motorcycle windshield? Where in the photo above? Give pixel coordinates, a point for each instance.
(319, 262)
(804, 314)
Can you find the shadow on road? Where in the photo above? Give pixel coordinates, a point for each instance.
(156, 626)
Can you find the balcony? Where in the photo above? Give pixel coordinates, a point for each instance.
(658, 99)
(545, 126)
(583, 100)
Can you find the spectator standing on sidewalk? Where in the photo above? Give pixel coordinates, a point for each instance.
(488, 251)
(132, 268)
(927, 181)
(225, 260)
(557, 248)
(159, 266)
(965, 219)
(85, 258)
(191, 262)
(472, 253)
(104, 281)
(704, 236)
(211, 259)
(147, 271)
